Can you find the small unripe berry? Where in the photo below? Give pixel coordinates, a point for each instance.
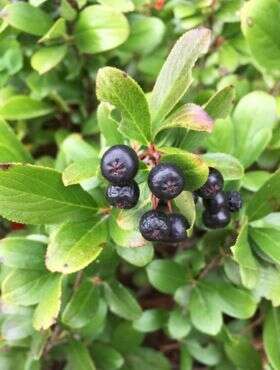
(125, 196)
(234, 201)
(213, 185)
(218, 201)
(166, 181)
(154, 226)
(119, 164)
(216, 220)
(178, 224)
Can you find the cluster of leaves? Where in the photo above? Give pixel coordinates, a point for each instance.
(80, 287)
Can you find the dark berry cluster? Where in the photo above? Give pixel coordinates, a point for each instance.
(119, 165)
(166, 182)
(218, 204)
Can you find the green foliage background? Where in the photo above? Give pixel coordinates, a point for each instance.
(80, 288)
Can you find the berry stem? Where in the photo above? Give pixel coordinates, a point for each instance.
(169, 206)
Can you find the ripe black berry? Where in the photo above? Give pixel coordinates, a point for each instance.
(179, 224)
(125, 197)
(218, 201)
(166, 181)
(154, 226)
(216, 220)
(234, 200)
(213, 185)
(119, 164)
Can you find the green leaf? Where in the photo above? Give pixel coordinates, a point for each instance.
(254, 118)
(48, 57)
(78, 356)
(190, 117)
(221, 139)
(117, 88)
(58, 29)
(268, 285)
(27, 18)
(185, 203)
(121, 301)
(178, 324)
(175, 75)
(271, 221)
(204, 310)
(208, 355)
(228, 165)
(249, 269)
(82, 307)
(254, 180)
(11, 149)
(146, 33)
(148, 359)
(136, 256)
(42, 200)
(100, 28)
(260, 21)
(125, 338)
(23, 107)
(243, 355)
(150, 320)
(81, 170)
(266, 199)
(106, 357)
(48, 308)
(195, 170)
(268, 241)
(22, 253)
(271, 337)
(77, 149)
(220, 104)
(166, 275)
(17, 327)
(186, 362)
(73, 246)
(24, 287)
(108, 126)
(120, 5)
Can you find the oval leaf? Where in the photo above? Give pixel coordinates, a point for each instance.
(229, 166)
(47, 58)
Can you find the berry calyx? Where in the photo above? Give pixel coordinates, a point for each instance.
(119, 164)
(178, 224)
(154, 226)
(213, 185)
(166, 181)
(234, 201)
(216, 220)
(124, 197)
(218, 201)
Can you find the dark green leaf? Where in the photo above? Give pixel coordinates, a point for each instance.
(78, 356)
(271, 337)
(220, 104)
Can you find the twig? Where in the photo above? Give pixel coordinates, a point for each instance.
(212, 264)
(78, 280)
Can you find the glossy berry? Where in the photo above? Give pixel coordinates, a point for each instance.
(119, 164)
(234, 200)
(166, 181)
(218, 201)
(154, 226)
(178, 224)
(213, 185)
(125, 196)
(216, 220)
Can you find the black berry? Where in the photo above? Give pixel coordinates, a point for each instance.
(166, 181)
(178, 224)
(125, 196)
(154, 226)
(119, 164)
(218, 201)
(234, 201)
(216, 220)
(213, 185)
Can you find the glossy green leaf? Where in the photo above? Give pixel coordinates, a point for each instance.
(42, 200)
(73, 246)
(116, 87)
(268, 285)
(271, 221)
(136, 256)
(11, 149)
(121, 301)
(120, 5)
(148, 359)
(229, 166)
(175, 76)
(76, 148)
(106, 357)
(100, 28)
(48, 57)
(48, 308)
(58, 29)
(243, 355)
(254, 180)
(268, 240)
(260, 20)
(271, 337)
(27, 18)
(208, 355)
(81, 170)
(150, 320)
(78, 356)
(166, 275)
(24, 107)
(266, 199)
(125, 338)
(108, 126)
(190, 117)
(221, 139)
(194, 168)
(178, 324)
(221, 103)
(185, 203)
